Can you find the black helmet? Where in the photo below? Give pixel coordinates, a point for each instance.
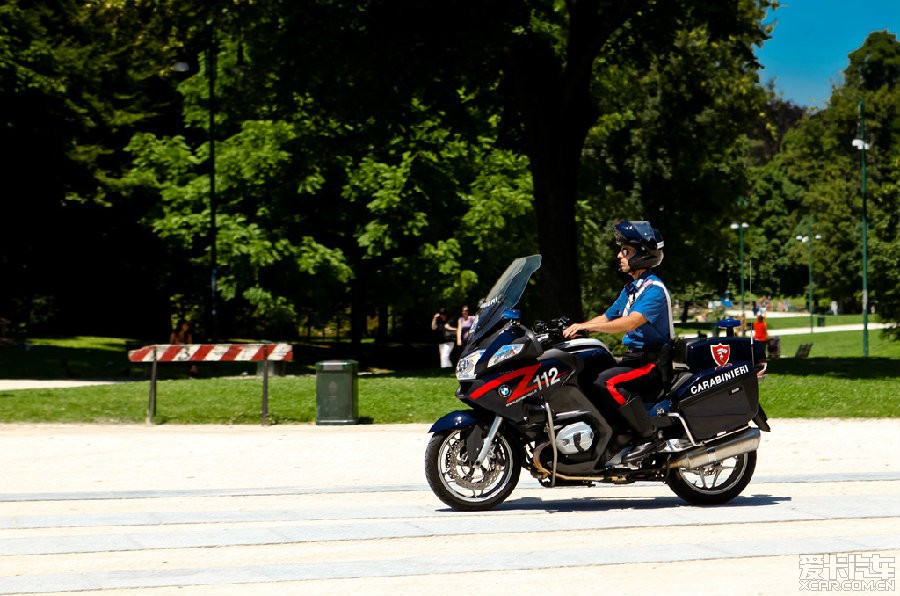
(646, 240)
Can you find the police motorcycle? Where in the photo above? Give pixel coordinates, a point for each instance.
(527, 392)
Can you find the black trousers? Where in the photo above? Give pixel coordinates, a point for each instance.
(622, 388)
(637, 375)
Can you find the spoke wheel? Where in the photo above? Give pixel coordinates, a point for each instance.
(471, 488)
(716, 483)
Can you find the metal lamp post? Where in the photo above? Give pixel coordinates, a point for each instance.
(861, 144)
(213, 261)
(740, 228)
(808, 239)
(183, 67)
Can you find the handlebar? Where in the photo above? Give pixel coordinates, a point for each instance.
(547, 333)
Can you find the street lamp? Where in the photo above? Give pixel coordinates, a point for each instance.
(740, 228)
(861, 144)
(182, 66)
(808, 239)
(211, 52)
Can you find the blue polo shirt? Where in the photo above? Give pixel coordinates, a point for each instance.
(648, 296)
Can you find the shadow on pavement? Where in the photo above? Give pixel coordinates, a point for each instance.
(619, 504)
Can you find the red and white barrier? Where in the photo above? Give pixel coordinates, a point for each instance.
(211, 353)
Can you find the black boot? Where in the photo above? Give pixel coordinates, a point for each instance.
(641, 450)
(636, 415)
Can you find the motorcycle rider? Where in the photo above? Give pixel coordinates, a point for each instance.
(643, 312)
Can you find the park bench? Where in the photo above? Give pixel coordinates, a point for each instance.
(264, 353)
(803, 351)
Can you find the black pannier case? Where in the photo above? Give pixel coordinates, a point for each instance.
(723, 392)
(699, 354)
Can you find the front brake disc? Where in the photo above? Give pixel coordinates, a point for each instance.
(466, 476)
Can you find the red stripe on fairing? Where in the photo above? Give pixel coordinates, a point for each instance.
(624, 378)
(521, 389)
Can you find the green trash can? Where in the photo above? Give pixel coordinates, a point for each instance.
(820, 321)
(337, 392)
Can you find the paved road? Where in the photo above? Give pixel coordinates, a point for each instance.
(774, 330)
(827, 329)
(325, 510)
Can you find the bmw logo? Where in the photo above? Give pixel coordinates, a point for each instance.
(504, 391)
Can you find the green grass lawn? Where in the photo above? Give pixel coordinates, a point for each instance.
(67, 357)
(382, 399)
(835, 381)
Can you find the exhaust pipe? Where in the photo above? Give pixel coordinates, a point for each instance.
(743, 442)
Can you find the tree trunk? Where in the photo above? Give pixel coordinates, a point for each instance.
(383, 318)
(554, 201)
(358, 301)
(555, 102)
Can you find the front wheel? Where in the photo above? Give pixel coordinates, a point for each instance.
(716, 483)
(471, 488)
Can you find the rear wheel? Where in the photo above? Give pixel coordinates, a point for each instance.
(471, 488)
(716, 483)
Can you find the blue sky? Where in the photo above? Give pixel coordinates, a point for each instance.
(808, 49)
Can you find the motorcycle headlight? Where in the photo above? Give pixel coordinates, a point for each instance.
(505, 353)
(465, 368)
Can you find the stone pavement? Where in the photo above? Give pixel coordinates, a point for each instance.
(11, 384)
(775, 331)
(130, 509)
(827, 329)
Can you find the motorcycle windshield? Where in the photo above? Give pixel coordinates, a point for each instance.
(505, 294)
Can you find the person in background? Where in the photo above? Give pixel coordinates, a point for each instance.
(444, 333)
(464, 325)
(760, 331)
(181, 335)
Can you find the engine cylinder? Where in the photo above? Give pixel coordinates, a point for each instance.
(575, 438)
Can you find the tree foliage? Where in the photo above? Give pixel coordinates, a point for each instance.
(367, 156)
(73, 93)
(812, 186)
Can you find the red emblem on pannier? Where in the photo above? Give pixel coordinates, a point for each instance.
(721, 353)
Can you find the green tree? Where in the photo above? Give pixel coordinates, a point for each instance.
(670, 148)
(816, 177)
(368, 143)
(78, 79)
(377, 167)
(543, 68)
(873, 76)
(564, 68)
